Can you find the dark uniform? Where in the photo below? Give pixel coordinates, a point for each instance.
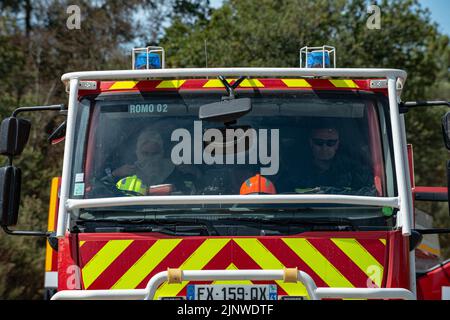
(343, 177)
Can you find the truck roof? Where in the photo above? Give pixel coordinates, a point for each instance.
(94, 86)
(261, 78)
(353, 73)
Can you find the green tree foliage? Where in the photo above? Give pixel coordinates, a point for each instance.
(270, 33)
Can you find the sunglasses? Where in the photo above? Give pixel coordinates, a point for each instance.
(322, 142)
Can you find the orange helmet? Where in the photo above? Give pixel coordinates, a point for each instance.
(258, 185)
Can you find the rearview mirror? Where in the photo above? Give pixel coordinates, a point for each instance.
(10, 182)
(14, 133)
(225, 111)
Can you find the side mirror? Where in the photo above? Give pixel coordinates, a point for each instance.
(10, 182)
(14, 133)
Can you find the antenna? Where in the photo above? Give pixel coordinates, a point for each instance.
(206, 54)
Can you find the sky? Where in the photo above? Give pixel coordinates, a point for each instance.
(440, 11)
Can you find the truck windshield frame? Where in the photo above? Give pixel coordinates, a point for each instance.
(395, 82)
(87, 109)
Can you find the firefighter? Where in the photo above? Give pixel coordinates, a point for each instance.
(328, 170)
(152, 168)
(324, 144)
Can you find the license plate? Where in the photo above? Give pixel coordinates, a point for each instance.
(231, 292)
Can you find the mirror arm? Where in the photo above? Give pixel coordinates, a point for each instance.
(230, 88)
(55, 107)
(433, 231)
(226, 84)
(405, 106)
(26, 233)
(238, 82)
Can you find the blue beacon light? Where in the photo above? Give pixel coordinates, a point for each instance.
(154, 61)
(316, 59)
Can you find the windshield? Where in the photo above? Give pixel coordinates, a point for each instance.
(291, 142)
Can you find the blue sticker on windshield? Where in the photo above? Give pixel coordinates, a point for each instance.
(78, 189)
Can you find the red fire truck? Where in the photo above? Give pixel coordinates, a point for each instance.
(234, 183)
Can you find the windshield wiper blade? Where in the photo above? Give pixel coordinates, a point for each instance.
(212, 231)
(157, 225)
(313, 222)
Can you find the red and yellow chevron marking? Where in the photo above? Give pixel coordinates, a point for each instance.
(130, 262)
(260, 84)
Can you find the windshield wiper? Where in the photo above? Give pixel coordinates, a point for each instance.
(151, 225)
(313, 223)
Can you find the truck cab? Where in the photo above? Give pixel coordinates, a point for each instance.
(235, 183)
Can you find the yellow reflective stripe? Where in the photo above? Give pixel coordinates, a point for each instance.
(141, 188)
(251, 83)
(122, 184)
(344, 83)
(48, 257)
(425, 247)
(81, 243)
(247, 83)
(166, 84)
(383, 241)
(299, 83)
(102, 260)
(266, 260)
(123, 85)
(137, 188)
(132, 183)
(207, 250)
(362, 258)
(52, 207)
(241, 282)
(316, 261)
(125, 183)
(51, 222)
(145, 265)
(214, 83)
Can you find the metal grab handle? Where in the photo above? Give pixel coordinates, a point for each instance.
(364, 293)
(133, 294)
(220, 275)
